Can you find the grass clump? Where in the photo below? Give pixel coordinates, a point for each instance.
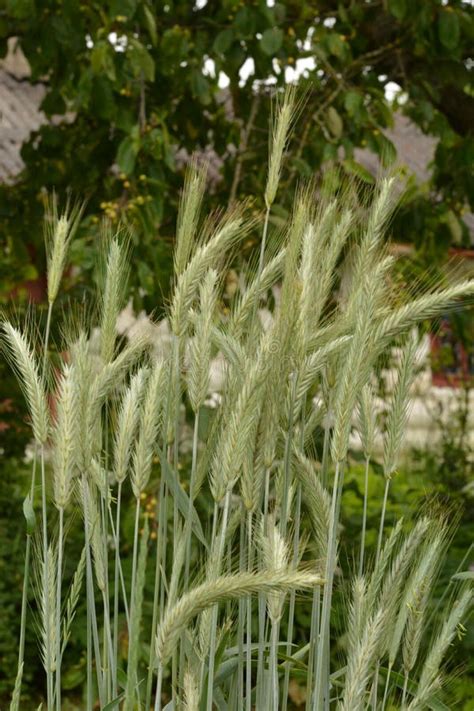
(234, 547)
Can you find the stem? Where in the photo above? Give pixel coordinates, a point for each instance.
(116, 583)
(92, 632)
(287, 462)
(156, 590)
(291, 610)
(385, 693)
(135, 548)
(58, 609)
(312, 661)
(274, 663)
(26, 580)
(49, 678)
(158, 688)
(382, 519)
(212, 644)
(243, 564)
(364, 516)
(248, 651)
(322, 684)
(188, 526)
(260, 262)
(176, 346)
(405, 686)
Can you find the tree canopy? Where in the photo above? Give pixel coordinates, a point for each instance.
(139, 85)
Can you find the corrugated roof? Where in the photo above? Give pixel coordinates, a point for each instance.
(19, 116)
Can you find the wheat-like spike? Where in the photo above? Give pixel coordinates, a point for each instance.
(312, 365)
(15, 702)
(23, 362)
(375, 582)
(45, 592)
(232, 229)
(190, 691)
(417, 601)
(200, 344)
(178, 563)
(81, 359)
(360, 664)
(316, 500)
(276, 557)
(367, 419)
(188, 214)
(58, 233)
(127, 422)
(178, 617)
(392, 322)
(113, 373)
(411, 597)
(429, 677)
(320, 251)
(92, 521)
(73, 599)
(230, 347)
(252, 470)
(290, 287)
(387, 598)
(150, 420)
(237, 433)
(357, 614)
(66, 436)
(398, 413)
(112, 299)
(357, 367)
(279, 138)
(255, 291)
(379, 213)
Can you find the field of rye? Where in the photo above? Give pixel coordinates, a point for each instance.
(250, 530)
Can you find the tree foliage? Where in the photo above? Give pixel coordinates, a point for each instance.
(136, 86)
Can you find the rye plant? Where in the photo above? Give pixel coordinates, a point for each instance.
(251, 526)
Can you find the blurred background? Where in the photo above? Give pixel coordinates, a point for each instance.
(107, 101)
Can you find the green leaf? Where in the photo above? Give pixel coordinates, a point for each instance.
(102, 60)
(334, 122)
(21, 8)
(271, 41)
(448, 28)
(397, 8)
(141, 60)
(122, 677)
(353, 102)
(465, 575)
(123, 8)
(454, 226)
(114, 704)
(223, 41)
(433, 703)
(335, 44)
(354, 168)
(245, 22)
(150, 23)
(126, 155)
(200, 87)
(386, 150)
(181, 498)
(29, 514)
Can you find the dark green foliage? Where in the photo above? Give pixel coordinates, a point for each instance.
(127, 113)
